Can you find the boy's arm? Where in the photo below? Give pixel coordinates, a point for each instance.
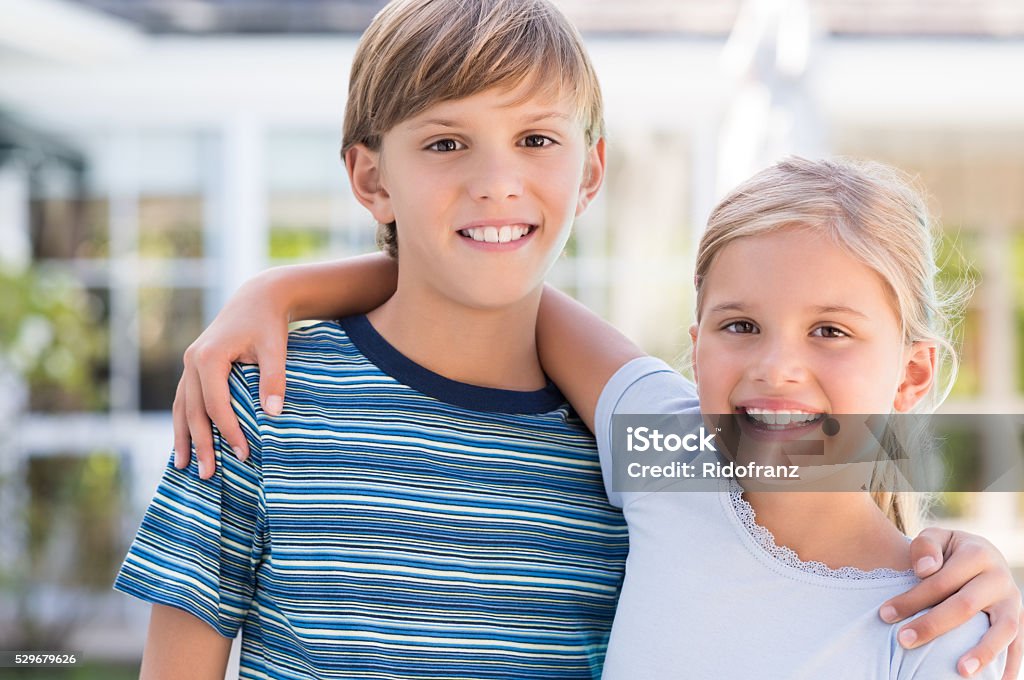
(579, 350)
(180, 645)
(253, 328)
(966, 574)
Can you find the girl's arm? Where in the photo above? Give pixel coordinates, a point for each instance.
(179, 645)
(579, 350)
(253, 328)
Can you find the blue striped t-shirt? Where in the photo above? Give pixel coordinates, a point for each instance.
(391, 523)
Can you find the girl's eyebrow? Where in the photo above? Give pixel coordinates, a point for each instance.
(822, 309)
(839, 309)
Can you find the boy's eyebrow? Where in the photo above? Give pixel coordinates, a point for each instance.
(728, 307)
(534, 118)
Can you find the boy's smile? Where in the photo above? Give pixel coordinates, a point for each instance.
(484, 191)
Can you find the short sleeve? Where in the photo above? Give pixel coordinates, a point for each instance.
(201, 541)
(645, 385)
(937, 660)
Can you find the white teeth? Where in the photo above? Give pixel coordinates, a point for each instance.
(770, 417)
(503, 234)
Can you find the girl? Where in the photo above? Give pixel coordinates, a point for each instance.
(815, 295)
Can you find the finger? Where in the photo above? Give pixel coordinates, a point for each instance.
(199, 423)
(927, 549)
(213, 376)
(1015, 652)
(1001, 634)
(271, 359)
(962, 566)
(951, 612)
(182, 441)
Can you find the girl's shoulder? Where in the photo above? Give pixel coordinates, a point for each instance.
(938, 659)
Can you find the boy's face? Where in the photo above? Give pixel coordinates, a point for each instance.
(484, 191)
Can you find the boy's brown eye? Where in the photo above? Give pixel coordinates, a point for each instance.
(537, 141)
(444, 145)
(741, 327)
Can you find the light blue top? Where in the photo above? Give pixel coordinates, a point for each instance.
(391, 523)
(708, 594)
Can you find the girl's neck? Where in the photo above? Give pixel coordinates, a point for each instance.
(839, 529)
(487, 347)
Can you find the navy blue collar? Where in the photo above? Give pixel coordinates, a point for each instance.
(403, 369)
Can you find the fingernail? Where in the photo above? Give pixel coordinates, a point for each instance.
(925, 564)
(971, 665)
(907, 637)
(888, 614)
(239, 454)
(274, 405)
(202, 470)
(179, 460)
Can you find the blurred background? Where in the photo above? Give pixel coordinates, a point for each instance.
(156, 153)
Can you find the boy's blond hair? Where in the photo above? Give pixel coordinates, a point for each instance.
(417, 53)
(874, 213)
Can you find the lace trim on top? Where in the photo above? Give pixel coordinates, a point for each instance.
(765, 539)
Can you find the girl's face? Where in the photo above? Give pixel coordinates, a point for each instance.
(793, 325)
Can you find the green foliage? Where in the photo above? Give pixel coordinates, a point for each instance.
(50, 333)
(293, 242)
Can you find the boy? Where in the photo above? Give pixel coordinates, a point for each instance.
(426, 505)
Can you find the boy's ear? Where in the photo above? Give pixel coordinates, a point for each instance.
(918, 375)
(693, 350)
(593, 176)
(364, 176)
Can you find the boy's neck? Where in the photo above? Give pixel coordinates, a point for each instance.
(837, 528)
(485, 347)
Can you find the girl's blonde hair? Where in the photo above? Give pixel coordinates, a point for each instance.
(417, 53)
(872, 211)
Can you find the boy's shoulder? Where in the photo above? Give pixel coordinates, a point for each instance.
(320, 340)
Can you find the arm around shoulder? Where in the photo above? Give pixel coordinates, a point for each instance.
(579, 350)
(938, 659)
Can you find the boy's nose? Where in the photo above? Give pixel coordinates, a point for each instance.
(496, 178)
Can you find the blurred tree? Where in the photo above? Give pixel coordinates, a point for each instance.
(49, 338)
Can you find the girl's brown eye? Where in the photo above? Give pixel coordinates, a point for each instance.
(829, 332)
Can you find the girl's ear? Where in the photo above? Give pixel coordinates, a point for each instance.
(918, 375)
(364, 176)
(593, 176)
(693, 351)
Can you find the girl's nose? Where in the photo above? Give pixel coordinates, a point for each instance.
(777, 362)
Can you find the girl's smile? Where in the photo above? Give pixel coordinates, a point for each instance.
(793, 324)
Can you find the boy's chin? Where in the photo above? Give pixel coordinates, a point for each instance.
(497, 298)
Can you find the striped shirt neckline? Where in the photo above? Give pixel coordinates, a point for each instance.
(372, 344)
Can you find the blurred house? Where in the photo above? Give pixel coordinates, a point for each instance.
(162, 151)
